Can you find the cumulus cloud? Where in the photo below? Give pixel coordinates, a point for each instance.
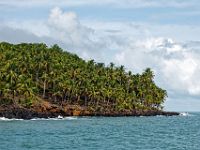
(63, 28)
(177, 65)
(66, 27)
(137, 46)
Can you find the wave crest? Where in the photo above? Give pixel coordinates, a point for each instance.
(57, 118)
(7, 119)
(185, 114)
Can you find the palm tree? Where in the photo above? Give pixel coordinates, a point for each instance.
(29, 71)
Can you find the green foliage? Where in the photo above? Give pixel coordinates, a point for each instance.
(28, 71)
(5, 101)
(28, 102)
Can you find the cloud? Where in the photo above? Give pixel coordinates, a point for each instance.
(17, 35)
(63, 28)
(66, 27)
(135, 45)
(176, 66)
(9, 34)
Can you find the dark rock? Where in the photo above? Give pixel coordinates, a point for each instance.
(24, 113)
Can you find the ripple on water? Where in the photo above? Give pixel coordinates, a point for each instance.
(117, 133)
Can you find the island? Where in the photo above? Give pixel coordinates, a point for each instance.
(37, 81)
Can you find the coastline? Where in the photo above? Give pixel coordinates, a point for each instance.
(41, 81)
(25, 113)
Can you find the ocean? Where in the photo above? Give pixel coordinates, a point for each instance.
(102, 133)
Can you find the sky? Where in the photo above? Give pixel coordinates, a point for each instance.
(160, 34)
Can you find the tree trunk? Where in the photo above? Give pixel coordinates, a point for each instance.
(13, 96)
(85, 100)
(44, 88)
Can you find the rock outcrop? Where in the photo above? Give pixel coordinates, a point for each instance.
(51, 111)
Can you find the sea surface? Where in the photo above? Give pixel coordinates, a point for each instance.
(102, 133)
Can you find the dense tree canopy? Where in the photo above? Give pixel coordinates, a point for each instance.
(29, 72)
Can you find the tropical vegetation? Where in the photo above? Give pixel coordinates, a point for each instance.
(31, 72)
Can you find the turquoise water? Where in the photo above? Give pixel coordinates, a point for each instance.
(120, 133)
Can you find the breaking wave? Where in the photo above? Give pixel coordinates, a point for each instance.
(7, 119)
(57, 118)
(186, 114)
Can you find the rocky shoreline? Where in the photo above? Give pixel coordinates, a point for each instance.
(25, 113)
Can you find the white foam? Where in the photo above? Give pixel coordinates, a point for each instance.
(185, 114)
(70, 118)
(7, 119)
(60, 117)
(57, 118)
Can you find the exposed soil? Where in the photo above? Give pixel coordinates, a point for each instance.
(48, 110)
